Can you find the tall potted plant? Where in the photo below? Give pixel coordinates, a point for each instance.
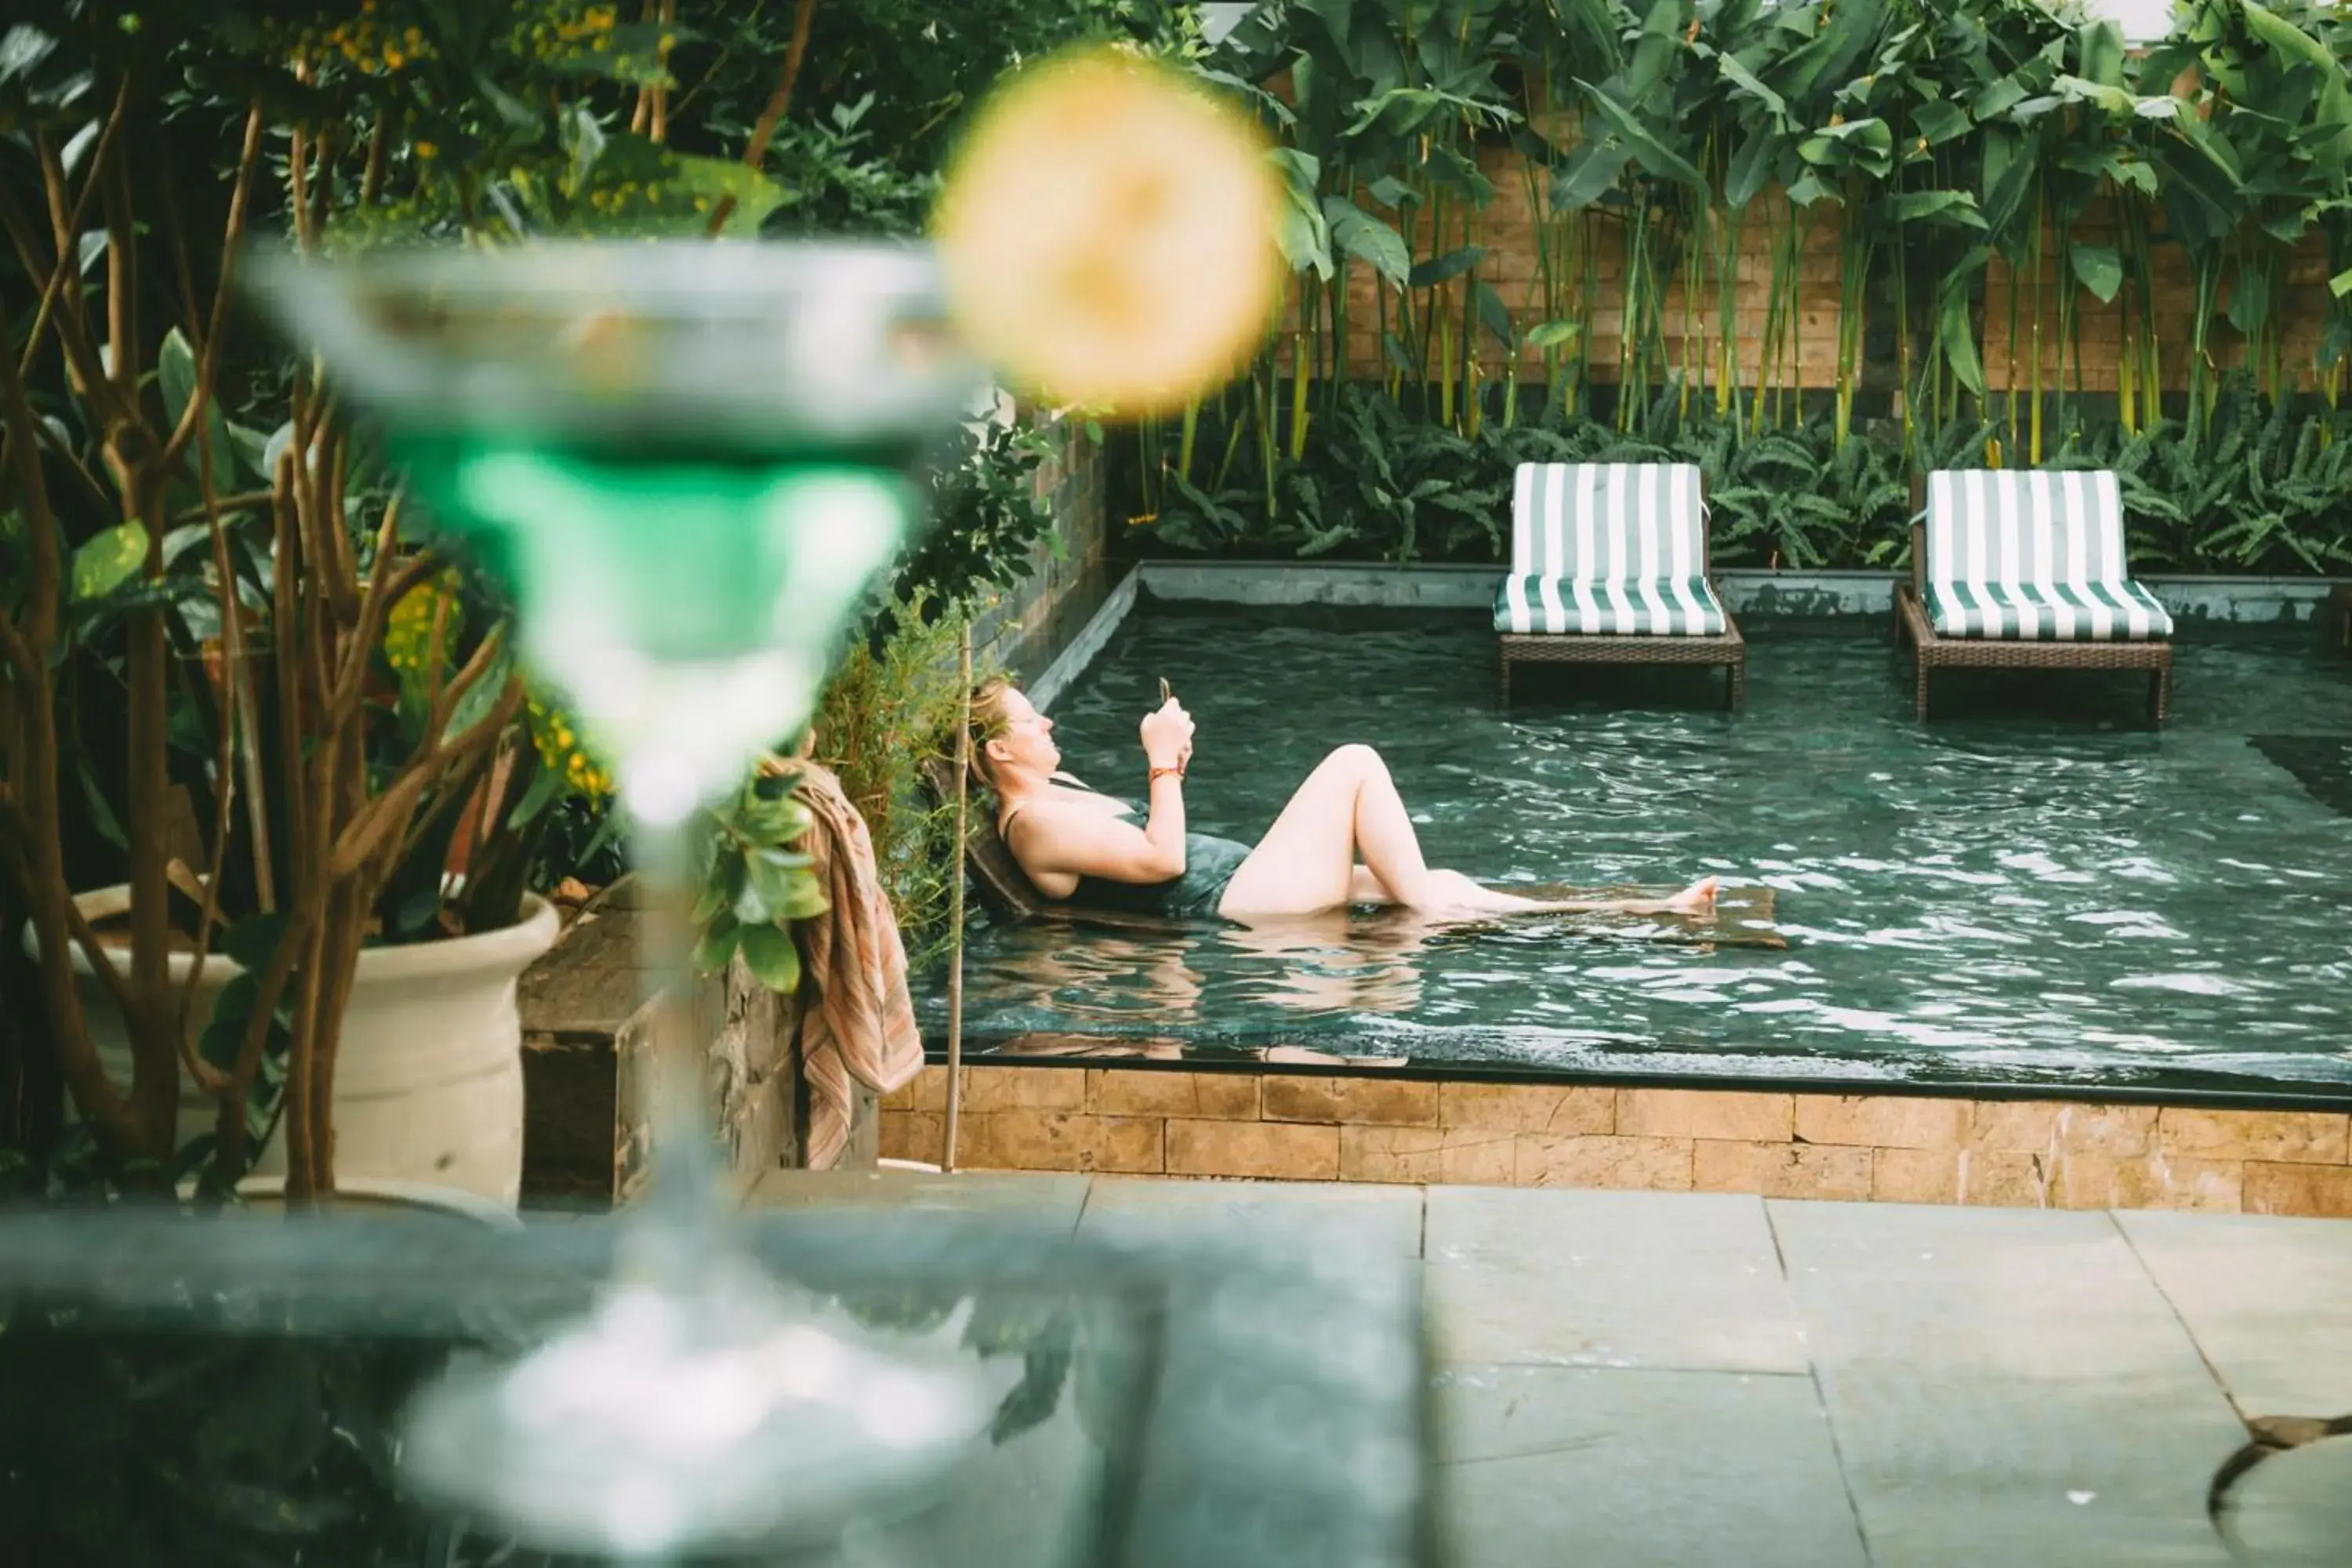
(222, 654)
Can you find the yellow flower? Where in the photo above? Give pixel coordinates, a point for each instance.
(427, 149)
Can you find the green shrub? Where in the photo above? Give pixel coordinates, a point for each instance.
(2267, 489)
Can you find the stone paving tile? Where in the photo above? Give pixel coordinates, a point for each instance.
(1608, 1279)
(2006, 1387)
(2268, 1301)
(1053, 1199)
(1338, 1214)
(1580, 1466)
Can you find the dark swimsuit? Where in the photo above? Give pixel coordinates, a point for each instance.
(1210, 863)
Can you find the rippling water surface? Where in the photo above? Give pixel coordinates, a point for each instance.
(2033, 887)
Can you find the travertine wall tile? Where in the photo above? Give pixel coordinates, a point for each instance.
(1023, 1088)
(1602, 1160)
(913, 1135)
(1780, 1170)
(2001, 1178)
(2320, 1191)
(1455, 1156)
(1706, 1114)
(1886, 1148)
(1882, 1120)
(1028, 1140)
(1915, 1175)
(2148, 1182)
(1292, 1151)
(1393, 1102)
(2280, 1136)
(927, 1091)
(1128, 1091)
(1526, 1107)
(2043, 1127)
(1133, 1145)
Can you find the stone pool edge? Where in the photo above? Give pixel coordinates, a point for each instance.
(1919, 1147)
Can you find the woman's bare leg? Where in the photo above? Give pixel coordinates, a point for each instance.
(1306, 861)
(1349, 807)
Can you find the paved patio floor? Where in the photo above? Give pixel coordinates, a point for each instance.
(1632, 1378)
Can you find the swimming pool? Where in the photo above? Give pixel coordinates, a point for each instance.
(2035, 889)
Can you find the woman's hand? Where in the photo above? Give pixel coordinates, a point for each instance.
(1167, 733)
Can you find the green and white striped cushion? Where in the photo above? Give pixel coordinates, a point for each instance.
(1682, 607)
(1614, 549)
(2033, 555)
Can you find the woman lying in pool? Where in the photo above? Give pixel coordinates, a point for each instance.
(1343, 839)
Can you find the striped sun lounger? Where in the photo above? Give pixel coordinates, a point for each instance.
(2025, 569)
(1609, 565)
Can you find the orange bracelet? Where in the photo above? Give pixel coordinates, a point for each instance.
(1158, 773)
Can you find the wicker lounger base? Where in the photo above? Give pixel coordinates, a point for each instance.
(1930, 651)
(1729, 650)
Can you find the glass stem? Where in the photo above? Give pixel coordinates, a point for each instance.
(686, 1185)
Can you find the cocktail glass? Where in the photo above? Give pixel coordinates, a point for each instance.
(688, 461)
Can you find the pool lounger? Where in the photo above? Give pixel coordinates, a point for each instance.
(1610, 565)
(1743, 915)
(2025, 569)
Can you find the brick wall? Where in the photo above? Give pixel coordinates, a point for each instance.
(1507, 225)
(2302, 301)
(1070, 481)
(1888, 1148)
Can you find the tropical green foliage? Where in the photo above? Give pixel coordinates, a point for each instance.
(752, 885)
(893, 702)
(189, 536)
(1653, 140)
(1375, 483)
(986, 520)
(2267, 488)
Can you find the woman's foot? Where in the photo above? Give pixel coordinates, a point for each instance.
(1698, 899)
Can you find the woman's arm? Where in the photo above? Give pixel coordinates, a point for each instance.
(1063, 843)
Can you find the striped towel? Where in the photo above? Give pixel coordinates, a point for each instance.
(860, 1021)
(2031, 556)
(1608, 548)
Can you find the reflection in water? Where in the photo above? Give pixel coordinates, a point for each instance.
(2031, 882)
(1312, 964)
(1333, 963)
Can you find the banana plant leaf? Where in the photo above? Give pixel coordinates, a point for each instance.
(1655, 156)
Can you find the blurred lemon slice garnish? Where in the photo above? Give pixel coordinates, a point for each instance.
(1107, 230)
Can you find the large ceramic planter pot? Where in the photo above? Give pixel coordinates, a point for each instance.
(428, 1079)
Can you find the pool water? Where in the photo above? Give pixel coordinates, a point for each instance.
(2032, 887)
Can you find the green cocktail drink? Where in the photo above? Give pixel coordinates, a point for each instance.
(735, 574)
